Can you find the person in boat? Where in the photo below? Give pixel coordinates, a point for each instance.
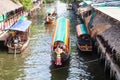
(63, 47)
(58, 51)
(10, 39)
(17, 38)
(14, 39)
(59, 45)
(49, 17)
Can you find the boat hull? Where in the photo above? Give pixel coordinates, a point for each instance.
(85, 48)
(19, 49)
(60, 47)
(49, 22)
(64, 56)
(51, 16)
(84, 40)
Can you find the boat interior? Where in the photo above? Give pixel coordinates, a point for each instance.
(59, 44)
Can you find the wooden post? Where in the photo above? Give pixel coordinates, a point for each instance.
(15, 51)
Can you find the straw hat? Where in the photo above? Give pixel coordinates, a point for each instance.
(58, 50)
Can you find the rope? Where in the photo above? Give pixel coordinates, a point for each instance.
(91, 61)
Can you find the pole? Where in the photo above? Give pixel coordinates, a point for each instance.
(15, 51)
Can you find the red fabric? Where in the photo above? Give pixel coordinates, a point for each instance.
(58, 61)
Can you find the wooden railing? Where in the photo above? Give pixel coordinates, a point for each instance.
(11, 20)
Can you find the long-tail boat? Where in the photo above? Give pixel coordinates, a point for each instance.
(18, 39)
(51, 15)
(84, 40)
(60, 47)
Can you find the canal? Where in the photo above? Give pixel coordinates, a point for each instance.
(35, 62)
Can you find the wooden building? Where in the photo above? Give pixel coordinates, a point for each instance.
(9, 14)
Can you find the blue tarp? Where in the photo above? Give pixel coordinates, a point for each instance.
(21, 25)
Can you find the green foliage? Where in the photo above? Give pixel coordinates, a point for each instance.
(27, 4)
(48, 1)
(15, 1)
(71, 1)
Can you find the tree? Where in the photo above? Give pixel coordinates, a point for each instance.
(48, 1)
(15, 1)
(27, 4)
(70, 1)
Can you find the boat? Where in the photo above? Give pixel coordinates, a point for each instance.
(18, 38)
(51, 15)
(60, 47)
(84, 40)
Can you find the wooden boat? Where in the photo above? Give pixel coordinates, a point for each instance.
(60, 47)
(84, 41)
(18, 39)
(51, 15)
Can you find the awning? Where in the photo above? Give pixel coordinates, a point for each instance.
(21, 25)
(51, 10)
(81, 29)
(62, 30)
(8, 5)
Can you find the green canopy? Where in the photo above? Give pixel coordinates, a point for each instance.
(22, 18)
(3, 17)
(83, 29)
(61, 30)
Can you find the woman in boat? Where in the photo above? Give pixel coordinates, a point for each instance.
(61, 41)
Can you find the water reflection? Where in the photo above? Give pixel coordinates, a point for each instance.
(49, 28)
(60, 73)
(10, 68)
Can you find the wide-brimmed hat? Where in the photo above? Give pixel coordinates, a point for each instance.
(58, 50)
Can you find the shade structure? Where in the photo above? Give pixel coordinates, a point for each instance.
(8, 5)
(21, 25)
(51, 10)
(81, 29)
(62, 30)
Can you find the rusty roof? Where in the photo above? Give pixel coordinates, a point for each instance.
(113, 36)
(8, 5)
(113, 12)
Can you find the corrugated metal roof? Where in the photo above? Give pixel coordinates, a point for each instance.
(21, 25)
(112, 35)
(8, 5)
(101, 1)
(113, 12)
